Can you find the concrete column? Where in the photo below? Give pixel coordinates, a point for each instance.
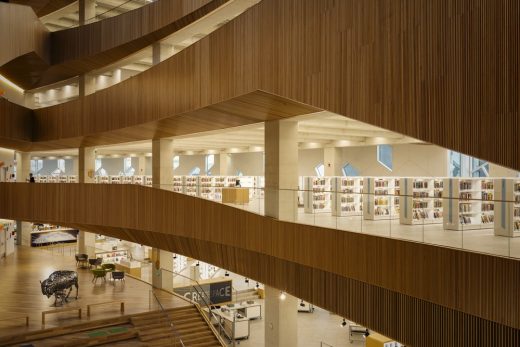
(87, 243)
(224, 164)
(87, 11)
(281, 321)
(332, 161)
(86, 164)
(142, 166)
(86, 85)
(23, 166)
(23, 233)
(29, 100)
(281, 169)
(162, 260)
(75, 166)
(156, 53)
(162, 163)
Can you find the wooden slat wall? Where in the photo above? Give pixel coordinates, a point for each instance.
(445, 72)
(407, 281)
(21, 33)
(16, 124)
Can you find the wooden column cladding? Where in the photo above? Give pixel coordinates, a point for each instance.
(444, 72)
(422, 295)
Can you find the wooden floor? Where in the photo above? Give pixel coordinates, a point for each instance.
(20, 292)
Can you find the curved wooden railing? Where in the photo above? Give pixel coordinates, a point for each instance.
(392, 286)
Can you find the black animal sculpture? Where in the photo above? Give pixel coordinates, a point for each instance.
(57, 283)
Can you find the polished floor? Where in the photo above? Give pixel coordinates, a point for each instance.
(21, 292)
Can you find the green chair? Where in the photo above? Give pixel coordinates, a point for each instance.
(108, 267)
(98, 273)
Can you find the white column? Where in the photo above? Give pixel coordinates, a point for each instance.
(156, 53)
(87, 11)
(281, 169)
(86, 85)
(162, 163)
(86, 164)
(281, 321)
(75, 166)
(23, 166)
(142, 165)
(23, 233)
(162, 260)
(332, 161)
(87, 243)
(224, 164)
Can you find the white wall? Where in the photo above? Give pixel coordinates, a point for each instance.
(308, 159)
(188, 162)
(250, 164)
(49, 165)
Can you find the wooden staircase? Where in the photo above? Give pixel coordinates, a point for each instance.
(155, 330)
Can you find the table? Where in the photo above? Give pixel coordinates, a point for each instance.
(235, 195)
(250, 311)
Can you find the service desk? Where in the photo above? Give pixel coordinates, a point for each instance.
(235, 195)
(250, 311)
(228, 320)
(130, 267)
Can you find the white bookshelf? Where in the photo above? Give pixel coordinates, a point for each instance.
(137, 179)
(115, 179)
(191, 185)
(468, 203)
(72, 179)
(103, 179)
(347, 199)
(317, 194)
(207, 187)
(381, 200)
(178, 184)
(126, 180)
(148, 180)
(507, 207)
(421, 200)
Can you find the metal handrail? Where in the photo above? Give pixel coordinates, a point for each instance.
(171, 323)
(207, 305)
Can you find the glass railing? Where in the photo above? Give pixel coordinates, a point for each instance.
(483, 224)
(155, 305)
(473, 220)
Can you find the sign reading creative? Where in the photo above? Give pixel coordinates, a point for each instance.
(218, 292)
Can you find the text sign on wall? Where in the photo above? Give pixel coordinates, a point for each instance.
(219, 292)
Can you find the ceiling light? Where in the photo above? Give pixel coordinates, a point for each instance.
(11, 84)
(344, 323)
(175, 256)
(247, 280)
(198, 263)
(226, 274)
(302, 304)
(282, 296)
(257, 285)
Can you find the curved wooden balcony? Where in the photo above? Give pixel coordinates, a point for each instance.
(395, 287)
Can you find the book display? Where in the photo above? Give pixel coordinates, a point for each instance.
(63, 179)
(381, 200)
(178, 184)
(207, 271)
(191, 185)
(507, 207)
(347, 198)
(115, 179)
(72, 179)
(421, 201)
(113, 257)
(126, 179)
(148, 180)
(137, 179)
(207, 187)
(317, 194)
(468, 203)
(180, 263)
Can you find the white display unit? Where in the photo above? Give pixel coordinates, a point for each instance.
(148, 180)
(63, 179)
(113, 257)
(191, 185)
(52, 179)
(178, 184)
(137, 180)
(72, 179)
(468, 203)
(126, 179)
(103, 179)
(207, 187)
(507, 207)
(421, 200)
(381, 198)
(219, 182)
(317, 194)
(347, 198)
(115, 179)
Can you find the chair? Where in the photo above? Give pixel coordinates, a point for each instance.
(81, 260)
(118, 275)
(98, 273)
(95, 262)
(108, 267)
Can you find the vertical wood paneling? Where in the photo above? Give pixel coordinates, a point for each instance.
(420, 294)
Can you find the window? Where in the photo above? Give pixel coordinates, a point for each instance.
(239, 173)
(100, 171)
(127, 167)
(195, 171)
(320, 170)
(385, 156)
(60, 168)
(461, 165)
(210, 162)
(176, 162)
(36, 166)
(349, 170)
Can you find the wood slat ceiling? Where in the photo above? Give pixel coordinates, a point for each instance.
(393, 286)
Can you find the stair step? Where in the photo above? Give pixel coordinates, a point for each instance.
(158, 336)
(152, 326)
(162, 342)
(196, 333)
(188, 320)
(154, 331)
(192, 329)
(200, 339)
